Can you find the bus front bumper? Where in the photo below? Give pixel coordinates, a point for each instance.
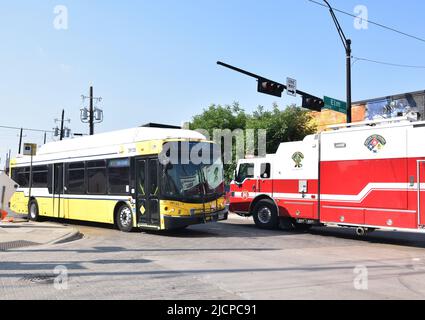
(181, 222)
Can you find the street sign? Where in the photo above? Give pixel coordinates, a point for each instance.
(30, 149)
(335, 105)
(291, 85)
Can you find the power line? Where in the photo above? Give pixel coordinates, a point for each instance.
(388, 63)
(25, 129)
(372, 22)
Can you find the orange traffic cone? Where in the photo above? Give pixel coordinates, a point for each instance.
(3, 215)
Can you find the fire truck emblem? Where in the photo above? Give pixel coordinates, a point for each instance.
(375, 143)
(298, 158)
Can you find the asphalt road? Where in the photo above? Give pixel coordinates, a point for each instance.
(230, 260)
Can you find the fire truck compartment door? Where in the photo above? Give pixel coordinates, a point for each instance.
(421, 193)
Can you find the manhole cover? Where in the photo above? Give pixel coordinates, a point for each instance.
(40, 278)
(4, 246)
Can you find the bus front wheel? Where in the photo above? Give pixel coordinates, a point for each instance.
(265, 215)
(124, 219)
(33, 212)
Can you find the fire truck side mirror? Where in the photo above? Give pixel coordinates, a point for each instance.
(238, 182)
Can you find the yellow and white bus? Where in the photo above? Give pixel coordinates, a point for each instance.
(119, 178)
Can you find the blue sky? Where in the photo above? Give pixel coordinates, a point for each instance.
(155, 61)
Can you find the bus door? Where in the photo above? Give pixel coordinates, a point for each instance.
(147, 191)
(58, 191)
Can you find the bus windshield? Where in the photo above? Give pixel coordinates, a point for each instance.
(193, 180)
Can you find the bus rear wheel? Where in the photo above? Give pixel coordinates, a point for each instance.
(33, 212)
(265, 215)
(124, 219)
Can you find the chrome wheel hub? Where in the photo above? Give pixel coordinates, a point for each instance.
(126, 217)
(264, 215)
(33, 211)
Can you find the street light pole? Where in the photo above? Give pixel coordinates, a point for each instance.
(347, 45)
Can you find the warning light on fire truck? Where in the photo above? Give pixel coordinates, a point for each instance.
(313, 103)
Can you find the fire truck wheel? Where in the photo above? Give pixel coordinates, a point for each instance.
(265, 215)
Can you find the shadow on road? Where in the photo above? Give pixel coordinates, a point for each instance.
(245, 229)
(406, 239)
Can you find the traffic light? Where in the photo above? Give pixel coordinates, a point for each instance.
(313, 103)
(270, 87)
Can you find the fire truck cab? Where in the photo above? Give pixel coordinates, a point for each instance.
(368, 175)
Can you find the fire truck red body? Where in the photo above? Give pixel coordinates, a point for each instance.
(368, 175)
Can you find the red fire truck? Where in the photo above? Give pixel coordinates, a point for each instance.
(368, 176)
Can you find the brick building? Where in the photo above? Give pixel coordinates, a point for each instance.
(377, 108)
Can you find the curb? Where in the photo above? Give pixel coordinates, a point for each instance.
(72, 236)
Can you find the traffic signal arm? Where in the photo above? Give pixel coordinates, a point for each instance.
(274, 88)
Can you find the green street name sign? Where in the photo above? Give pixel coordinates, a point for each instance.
(335, 105)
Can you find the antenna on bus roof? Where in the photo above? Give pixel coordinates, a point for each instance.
(159, 125)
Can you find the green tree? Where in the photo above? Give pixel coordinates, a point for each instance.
(290, 124)
(230, 117)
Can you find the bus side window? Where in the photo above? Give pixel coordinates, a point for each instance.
(96, 177)
(75, 178)
(50, 179)
(22, 176)
(118, 176)
(265, 171)
(40, 177)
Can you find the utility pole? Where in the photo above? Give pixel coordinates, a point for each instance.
(63, 131)
(20, 141)
(347, 45)
(62, 120)
(8, 162)
(93, 114)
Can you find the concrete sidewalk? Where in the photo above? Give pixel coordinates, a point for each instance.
(21, 234)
